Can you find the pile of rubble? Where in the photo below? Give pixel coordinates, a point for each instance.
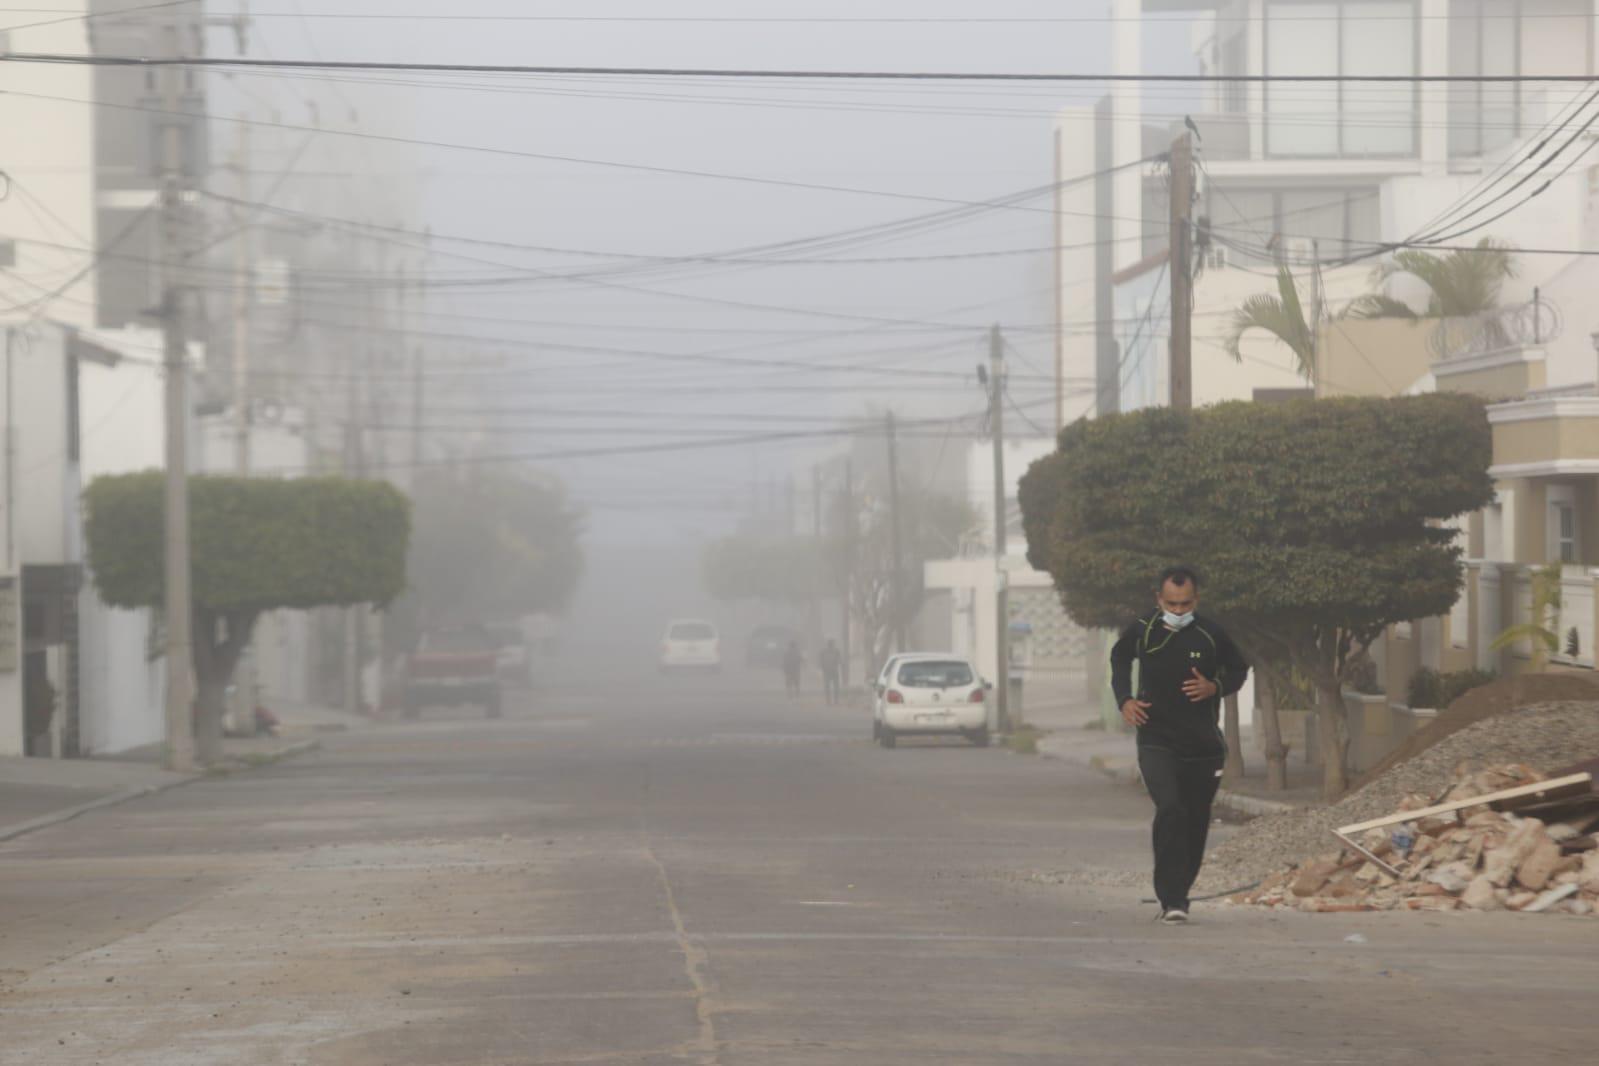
(1531, 844)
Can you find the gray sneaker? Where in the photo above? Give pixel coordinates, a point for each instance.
(1174, 916)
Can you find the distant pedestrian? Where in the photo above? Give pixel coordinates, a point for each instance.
(1186, 664)
(832, 664)
(793, 664)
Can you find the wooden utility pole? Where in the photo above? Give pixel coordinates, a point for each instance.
(243, 293)
(1180, 271)
(177, 603)
(996, 419)
(896, 577)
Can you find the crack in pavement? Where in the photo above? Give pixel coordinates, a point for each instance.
(696, 961)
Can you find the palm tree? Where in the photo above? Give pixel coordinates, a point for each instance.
(1461, 283)
(1283, 316)
(1541, 630)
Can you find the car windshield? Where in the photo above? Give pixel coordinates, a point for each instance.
(936, 673)
(692, 631)
(460, 641)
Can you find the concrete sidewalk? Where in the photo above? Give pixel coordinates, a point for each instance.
(36, 793)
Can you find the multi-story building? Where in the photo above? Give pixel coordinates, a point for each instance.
(1311, 174)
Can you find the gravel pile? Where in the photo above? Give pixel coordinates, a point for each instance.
(1544, 736)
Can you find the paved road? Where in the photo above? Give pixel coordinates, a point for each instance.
(703, 872)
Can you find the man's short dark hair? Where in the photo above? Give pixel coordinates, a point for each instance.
(1179, 576)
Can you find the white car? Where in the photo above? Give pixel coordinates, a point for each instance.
(930, 695)
(691, 644)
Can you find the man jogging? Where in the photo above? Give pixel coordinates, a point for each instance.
(1186, 664)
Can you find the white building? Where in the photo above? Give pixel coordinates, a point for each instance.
(1311, 172)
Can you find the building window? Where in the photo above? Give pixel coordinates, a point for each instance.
(1341, 119)
(1294, 222)
(1565, 531)
(1484, 41)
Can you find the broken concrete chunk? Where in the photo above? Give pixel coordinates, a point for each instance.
(1452, 878)
(1480, 894)
(1550, 898)
(1312, 877)
(1539, 865)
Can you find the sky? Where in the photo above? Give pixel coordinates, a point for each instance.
(661, 355)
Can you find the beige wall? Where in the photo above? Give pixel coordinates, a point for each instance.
(1379, 357)
(1505, 381)
(1543, 439)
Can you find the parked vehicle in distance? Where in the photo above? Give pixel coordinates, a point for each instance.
(514, 659)
(690, 644)
(931, 695)
(452, 667)
(767, 645)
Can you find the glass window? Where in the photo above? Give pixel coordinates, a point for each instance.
(1335, 119)
(1302, 117)
(1566, 532)
(936, 673)
(1484, 41)
(1377, 120)
(692, 631)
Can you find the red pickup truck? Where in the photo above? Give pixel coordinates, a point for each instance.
(451, 667)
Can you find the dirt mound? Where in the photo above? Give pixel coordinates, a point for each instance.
(1504, 696)
(1545, 736)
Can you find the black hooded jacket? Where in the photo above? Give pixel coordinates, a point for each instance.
(1166, 659)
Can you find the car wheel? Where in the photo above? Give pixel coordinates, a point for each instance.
(877, 730)
(886, 737)
(978, 737)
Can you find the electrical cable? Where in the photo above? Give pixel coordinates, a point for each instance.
(221, 62)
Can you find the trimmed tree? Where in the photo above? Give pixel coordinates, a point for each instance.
(256, 544)
(1316, 524)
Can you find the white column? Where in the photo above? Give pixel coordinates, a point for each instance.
(1488, 615)
(1127, 57)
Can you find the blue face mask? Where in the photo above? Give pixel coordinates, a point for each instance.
(1176, 621)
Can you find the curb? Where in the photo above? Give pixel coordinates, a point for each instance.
(1252, 805)
(45, 821)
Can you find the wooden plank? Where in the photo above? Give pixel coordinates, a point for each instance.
(1369, 855)
(1571, 785)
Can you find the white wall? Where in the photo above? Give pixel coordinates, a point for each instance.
(43, 488)
(123, 686)
(49, 156)
(1019, 455)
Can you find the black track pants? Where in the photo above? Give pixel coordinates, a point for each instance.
(1183, 790)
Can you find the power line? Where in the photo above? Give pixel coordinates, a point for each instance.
(778, 74)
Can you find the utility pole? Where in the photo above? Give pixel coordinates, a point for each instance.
(355, 467)
(418, 409)
(996, 421)
(1060, 295)
(848, 514)
(1180, 271)
(179, 635)
(244, 696)
(243, 293)
(816, 500)
(897, 576)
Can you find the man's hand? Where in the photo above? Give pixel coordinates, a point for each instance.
(1199, 687)
(1136, 712)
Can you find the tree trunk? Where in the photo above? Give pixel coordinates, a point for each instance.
(211, 697)
(1234, 769)
(1332, 727)
(1276, 750)
(219, 641)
